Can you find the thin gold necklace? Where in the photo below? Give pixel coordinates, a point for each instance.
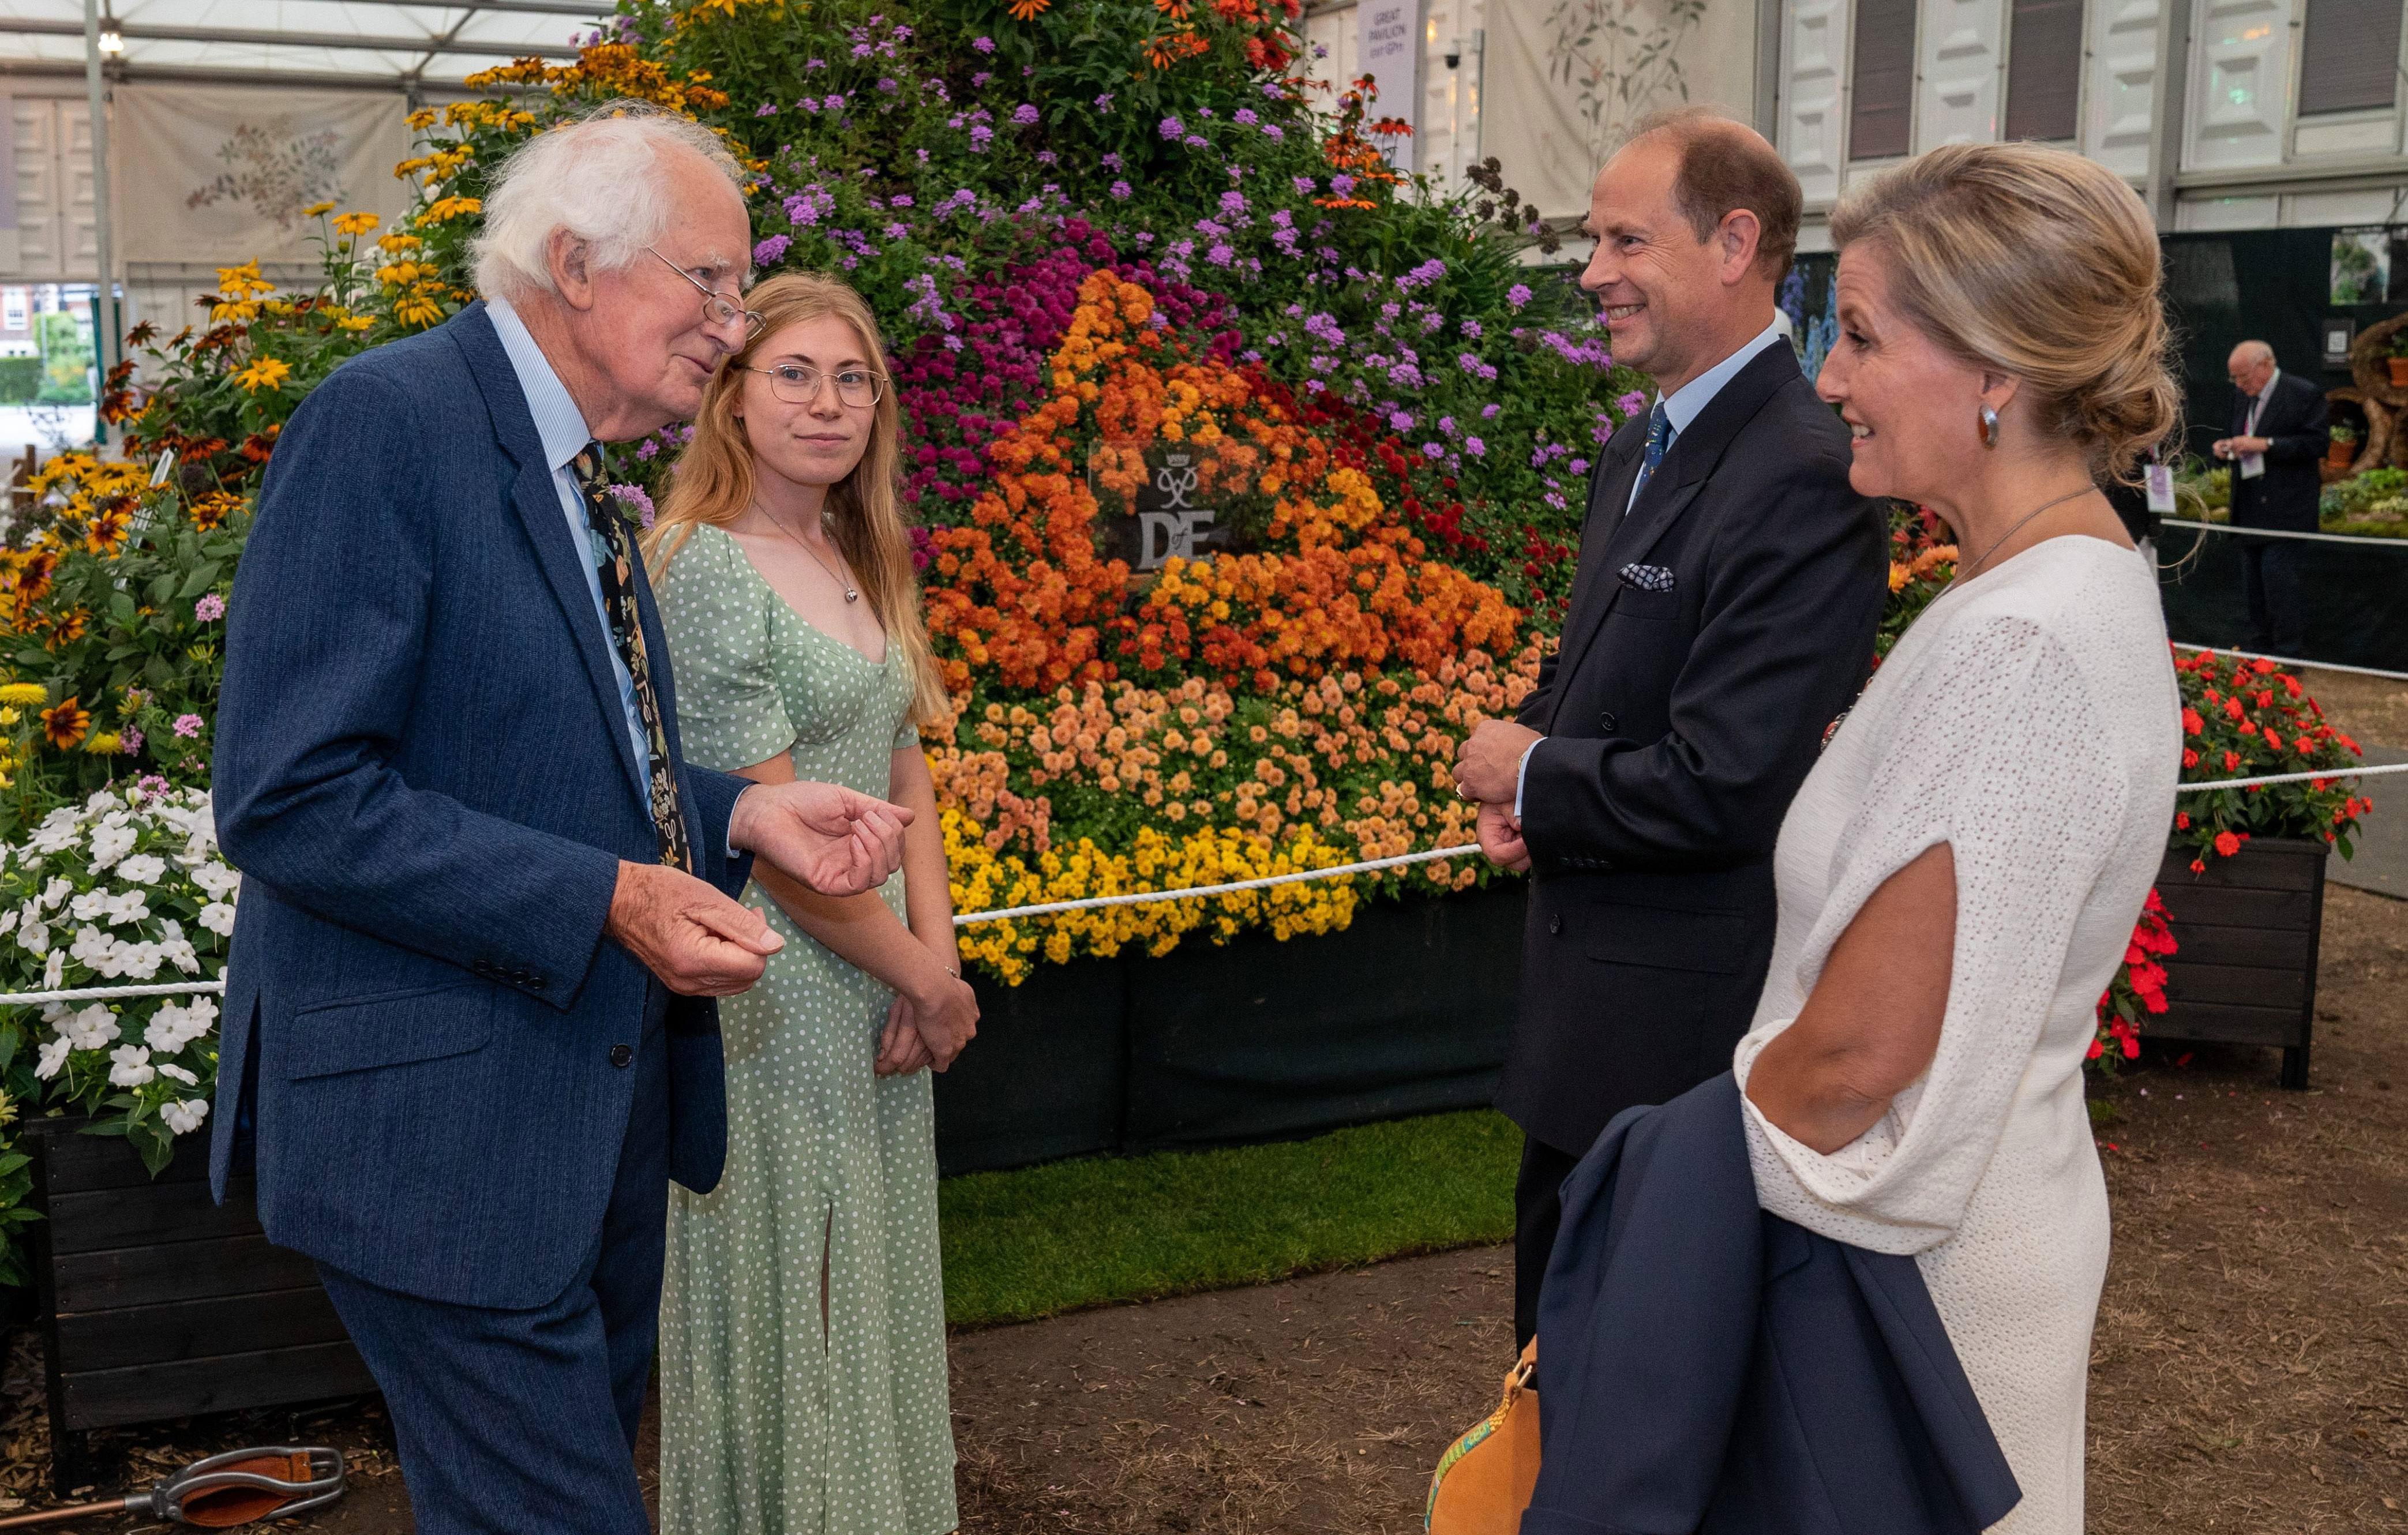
(1965, 572)
(850, 595)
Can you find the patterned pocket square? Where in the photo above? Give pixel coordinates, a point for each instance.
(1647, 577)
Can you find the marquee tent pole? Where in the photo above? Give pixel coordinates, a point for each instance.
(104, 298)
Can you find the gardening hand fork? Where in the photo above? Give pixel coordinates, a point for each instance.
(224, 1490)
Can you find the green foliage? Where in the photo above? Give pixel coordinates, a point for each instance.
(21, 380)
(67, 358)
(1032, 1243)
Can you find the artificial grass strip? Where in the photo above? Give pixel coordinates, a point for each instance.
(1040, 1240)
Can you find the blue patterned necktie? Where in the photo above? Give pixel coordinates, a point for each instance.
(1660, 437)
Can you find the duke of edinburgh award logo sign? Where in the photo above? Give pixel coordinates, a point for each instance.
(1164, 495)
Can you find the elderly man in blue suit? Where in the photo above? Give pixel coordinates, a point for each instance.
(469, 1029)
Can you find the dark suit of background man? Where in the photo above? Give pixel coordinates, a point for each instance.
(469, 1035)
(1722, 617)
(2280, 430)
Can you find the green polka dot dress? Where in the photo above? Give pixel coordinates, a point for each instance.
(769, 1426)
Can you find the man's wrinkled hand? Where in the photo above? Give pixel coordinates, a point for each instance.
(1500, 837)
(823, 836)
(1488, 764)
(695, 940)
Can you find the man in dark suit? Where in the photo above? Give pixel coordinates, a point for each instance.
(2280, 429)
(469, 1034)
(1722, 617)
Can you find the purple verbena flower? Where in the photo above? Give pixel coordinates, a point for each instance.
(1024, 114)
(985, 45)
(1172, 128)
(1517, 294)
(209, 609)
(770, 250)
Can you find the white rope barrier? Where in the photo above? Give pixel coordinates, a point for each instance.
(2285, 533)
(1141, 897)
(2294, 661)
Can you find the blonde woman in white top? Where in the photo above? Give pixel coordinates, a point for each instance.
(1960, 876)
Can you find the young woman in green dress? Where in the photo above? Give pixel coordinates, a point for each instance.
(802, 1355)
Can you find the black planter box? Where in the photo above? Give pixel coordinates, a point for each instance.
(2249, 929)
(1047, 1076)
(1405, 1012)
(158, 1303)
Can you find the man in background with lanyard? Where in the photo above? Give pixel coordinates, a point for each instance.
(2279, 432)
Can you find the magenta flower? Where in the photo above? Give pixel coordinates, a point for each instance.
(768, 252)
(985, 45)
(1172, 128)
(209, 609)
(187, 726)
(1024, 114)
(1123, 190)
(129, 740)
(1517, 294)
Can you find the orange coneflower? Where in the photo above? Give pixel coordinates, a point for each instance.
(65, 724)
(1028, 10)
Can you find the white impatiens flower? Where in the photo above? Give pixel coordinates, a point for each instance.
(175, 948)
(130, 1066)
(142, 868)
(185, 1117)
(89, 1029)
(90, 906)
(94, 950)
(218, 917)
(55, 892)
(173, 1026)
(138, 960)
(8, 921)
(54, 969)
(58, 831)
(34, 937)
(218, 880)
(54, 1056)
(112, 839)
(177, 1073)
(128, 906)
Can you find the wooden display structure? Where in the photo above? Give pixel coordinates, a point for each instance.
(2249, 929)
(2372, 391)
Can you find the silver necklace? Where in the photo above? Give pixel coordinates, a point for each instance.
(1965, 572)
(850, 593)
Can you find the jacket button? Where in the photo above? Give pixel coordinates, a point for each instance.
(482, 967)
(1609, 722)
(1555, 923)
(622, 1055)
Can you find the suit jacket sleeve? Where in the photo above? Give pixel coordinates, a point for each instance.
(2307, 439)
(1787, 633)
(325, 636)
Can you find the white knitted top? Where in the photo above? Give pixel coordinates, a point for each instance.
(2030, 720)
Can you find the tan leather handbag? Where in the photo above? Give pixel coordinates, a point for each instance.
(1485, 1480)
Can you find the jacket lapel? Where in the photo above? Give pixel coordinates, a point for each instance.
(1609, 492)
(1669, 493)
(537, 498)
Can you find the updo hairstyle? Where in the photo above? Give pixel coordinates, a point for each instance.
(2039, 264)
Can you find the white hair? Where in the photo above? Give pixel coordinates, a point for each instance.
(606, 178)
(2251, 353)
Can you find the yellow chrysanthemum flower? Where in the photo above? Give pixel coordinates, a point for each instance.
(264, 373)
(355, 223)
(104, 743)
(23, 693)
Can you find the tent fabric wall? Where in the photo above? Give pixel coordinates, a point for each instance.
(1566, 80)
(219, 174)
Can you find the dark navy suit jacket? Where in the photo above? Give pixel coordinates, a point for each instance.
(423, 771)
(1706, 1366)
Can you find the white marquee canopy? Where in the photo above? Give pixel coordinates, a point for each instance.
(390, 42)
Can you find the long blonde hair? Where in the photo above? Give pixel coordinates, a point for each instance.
(713, 480)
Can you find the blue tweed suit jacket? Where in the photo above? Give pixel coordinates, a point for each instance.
(423, 771)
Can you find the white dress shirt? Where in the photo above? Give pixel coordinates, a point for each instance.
(561, 428)
(2254, 465)
(1681, 406)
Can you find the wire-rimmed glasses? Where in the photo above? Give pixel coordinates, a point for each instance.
(717, 307)
(796, 384)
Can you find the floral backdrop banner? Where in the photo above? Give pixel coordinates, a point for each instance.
(221, 174)
(1568, 77)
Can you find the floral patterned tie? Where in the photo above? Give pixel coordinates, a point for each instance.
(612, 557)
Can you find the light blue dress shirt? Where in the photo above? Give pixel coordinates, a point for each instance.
(1681, 406)
(561, 428)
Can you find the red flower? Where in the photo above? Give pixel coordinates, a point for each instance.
(2227, 843)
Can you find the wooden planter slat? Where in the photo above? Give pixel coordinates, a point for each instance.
(127, 1217)
(2245, 985)
(200, 1330)
(270, 1378)
(175, 1270)
(2249, 929)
